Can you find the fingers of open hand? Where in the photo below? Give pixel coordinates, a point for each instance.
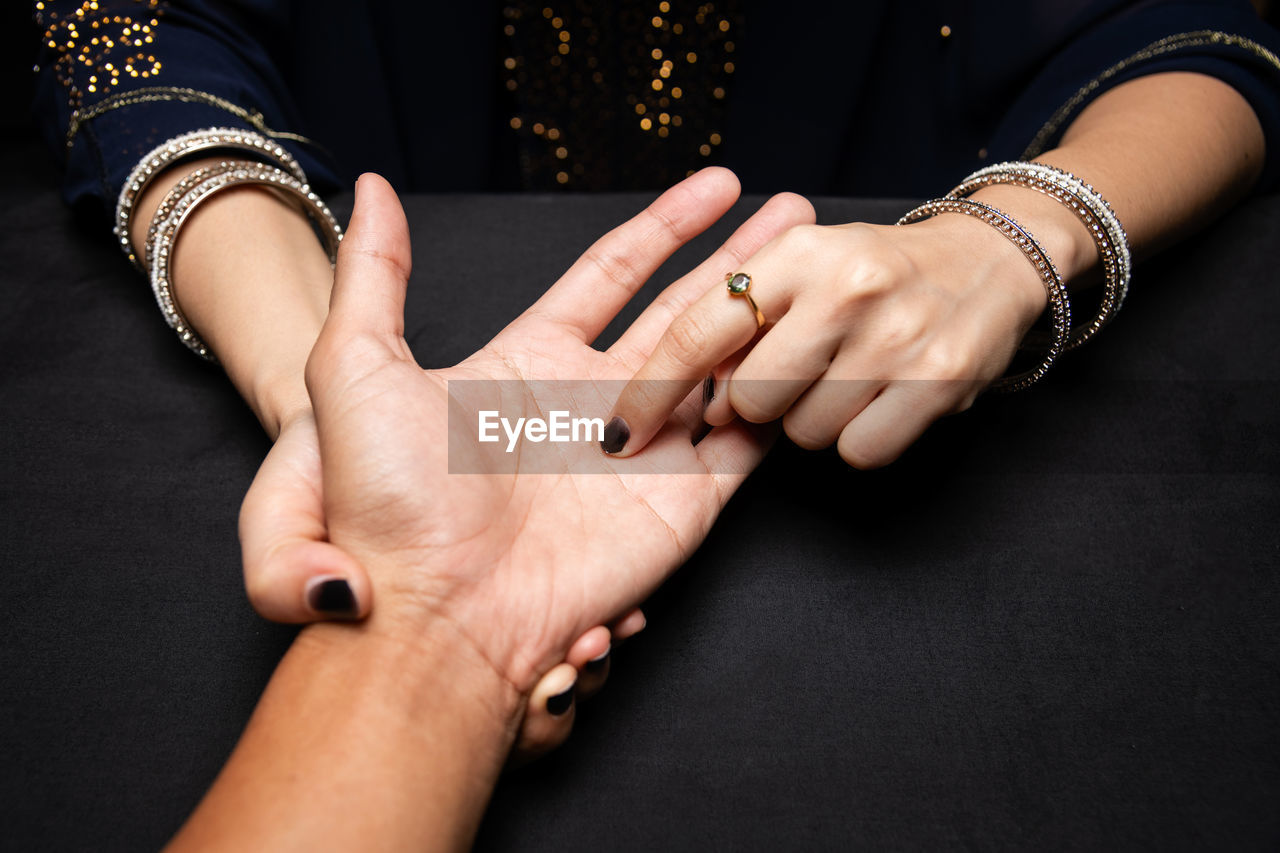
(603, 280)
(291, 573)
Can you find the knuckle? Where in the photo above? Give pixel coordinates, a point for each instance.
(965, 402)
(669, 227)
(903, 331)
(641, 396)
(687, 339)
(795, 207)
(745, 398)
(873, 276)
(259, 589)
(615, 267)
(801, 243)
(862, 455)
(805, 434)
(372, 253)
(948, 363)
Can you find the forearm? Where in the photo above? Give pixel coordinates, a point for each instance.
(363, 742)
(253, 280)
(1170, 152)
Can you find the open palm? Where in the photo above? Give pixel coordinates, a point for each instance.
(519, 552)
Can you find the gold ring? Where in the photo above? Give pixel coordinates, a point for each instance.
(739, 284)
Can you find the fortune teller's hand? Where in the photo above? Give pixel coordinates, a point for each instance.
(866, 335)
(518, 562)
(874, 332)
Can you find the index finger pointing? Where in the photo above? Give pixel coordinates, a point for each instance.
(708, 332)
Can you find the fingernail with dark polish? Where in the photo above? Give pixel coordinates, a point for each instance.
(616, 433)
(559, 704)
(708, 391)
(596, 665)
(333, 598)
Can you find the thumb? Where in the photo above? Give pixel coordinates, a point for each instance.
(365, 326)
(373, 265)
(291, 571)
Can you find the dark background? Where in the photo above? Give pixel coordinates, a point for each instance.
(18, 39)
(1054, 624)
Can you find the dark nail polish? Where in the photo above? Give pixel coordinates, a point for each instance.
(333, 598)
(616, 434)
(708, 391)
(559, 704)
(596, 665)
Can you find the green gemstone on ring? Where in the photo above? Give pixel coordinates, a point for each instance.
(739, 283)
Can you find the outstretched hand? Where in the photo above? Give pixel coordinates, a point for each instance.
(517, 562)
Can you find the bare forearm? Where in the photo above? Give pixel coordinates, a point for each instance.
(363, 742)
(1170, 152)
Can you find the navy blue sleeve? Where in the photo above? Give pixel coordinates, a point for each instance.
(1221, 38)
(119, 77)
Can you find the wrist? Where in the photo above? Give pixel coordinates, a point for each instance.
(277, 397)
(362, 735)
(254, 282)
(433, 669)
(1066, 241)
(992, 263)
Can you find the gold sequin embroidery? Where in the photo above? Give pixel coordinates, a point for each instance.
(617, 96)
(97, 49)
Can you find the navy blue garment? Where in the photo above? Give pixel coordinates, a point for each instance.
(865, 98)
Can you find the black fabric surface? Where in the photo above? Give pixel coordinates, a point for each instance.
(1053, 624)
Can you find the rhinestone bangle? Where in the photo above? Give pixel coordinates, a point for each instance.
(1055, 289)
(181, 147)
(176, 194)
(164, 235)
(1091, 209)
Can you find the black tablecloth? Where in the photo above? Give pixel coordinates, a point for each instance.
(1052, 624)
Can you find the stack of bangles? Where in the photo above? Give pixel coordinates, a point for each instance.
(1090, 208)
(281, 173)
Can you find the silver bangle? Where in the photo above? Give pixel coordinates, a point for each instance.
(181, 147)
(1093, 211)
(1055, 289)
(175, 195)
(164, 235)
